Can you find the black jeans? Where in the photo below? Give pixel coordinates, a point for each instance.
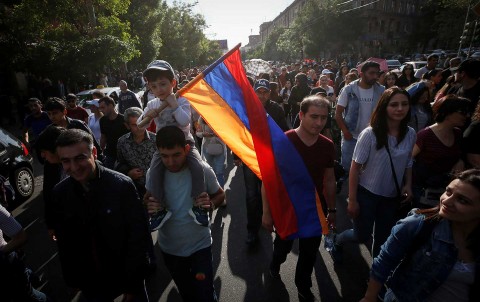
(308, 249)
(193, 275)
(254, 200)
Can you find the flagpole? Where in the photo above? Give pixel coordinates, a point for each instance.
(207, 70)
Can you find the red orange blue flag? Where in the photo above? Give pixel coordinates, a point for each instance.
(222, 95)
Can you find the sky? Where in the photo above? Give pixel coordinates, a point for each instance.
(235, 20)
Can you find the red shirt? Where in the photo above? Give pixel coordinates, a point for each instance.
(77, 113)
(317, 157)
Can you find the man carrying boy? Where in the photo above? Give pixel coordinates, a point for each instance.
(168, 110)
(186, 246)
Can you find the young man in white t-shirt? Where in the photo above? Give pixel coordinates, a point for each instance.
(355, 105)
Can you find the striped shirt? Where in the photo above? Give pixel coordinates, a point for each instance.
(376, 175)
(8, 225)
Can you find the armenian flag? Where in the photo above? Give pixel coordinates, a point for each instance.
(222, 95)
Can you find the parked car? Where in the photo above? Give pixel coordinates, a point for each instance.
(86, 95)
(392, 64)
(16, 165)
(475, 55)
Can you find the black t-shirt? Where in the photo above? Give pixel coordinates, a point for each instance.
(112, 130)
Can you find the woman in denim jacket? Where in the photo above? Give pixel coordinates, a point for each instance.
(434, 254)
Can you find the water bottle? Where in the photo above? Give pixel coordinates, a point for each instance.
(329, 239)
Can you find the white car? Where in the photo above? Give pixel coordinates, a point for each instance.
(393, 64)
(86, 95)
(475, 55)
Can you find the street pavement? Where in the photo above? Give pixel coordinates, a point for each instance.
(241, 274)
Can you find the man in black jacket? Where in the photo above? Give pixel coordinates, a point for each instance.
(100, 225)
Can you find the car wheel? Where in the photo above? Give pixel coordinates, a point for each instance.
(23, 183)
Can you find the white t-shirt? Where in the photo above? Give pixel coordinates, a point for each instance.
(94, 125)
(366, 107)
(377, 174)
(179, 117)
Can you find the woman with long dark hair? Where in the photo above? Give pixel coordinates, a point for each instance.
(438, 149)
(407, 77)
(383, 155)
(434, 254)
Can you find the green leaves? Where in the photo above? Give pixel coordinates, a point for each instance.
(78, 38)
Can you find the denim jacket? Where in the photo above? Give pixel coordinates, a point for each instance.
(353, 93)
(428, 267)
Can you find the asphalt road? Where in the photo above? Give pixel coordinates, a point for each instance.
(240, 274)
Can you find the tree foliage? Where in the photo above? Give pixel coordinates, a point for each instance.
(80, 38)
(441, 24)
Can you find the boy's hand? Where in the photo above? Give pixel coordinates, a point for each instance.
(203, 201)
(172, 101)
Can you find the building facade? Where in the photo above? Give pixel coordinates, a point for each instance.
(386, 24)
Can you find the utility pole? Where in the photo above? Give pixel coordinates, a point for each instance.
(465, 28)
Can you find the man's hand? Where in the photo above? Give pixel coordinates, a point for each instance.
(331, 219)
(203, 201)
(151, 203)
(237, 162)
(51, 234)
(135, 173)
(172, 101)
(353, 208)
(267, 222)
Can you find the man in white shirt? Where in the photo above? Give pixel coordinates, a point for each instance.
(355, 105)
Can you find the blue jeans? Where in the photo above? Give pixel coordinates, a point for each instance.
(254, 199)
(377, 215)
(217, 162)
(348, 146)
(193, 275)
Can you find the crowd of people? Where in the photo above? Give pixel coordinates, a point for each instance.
(134, 166)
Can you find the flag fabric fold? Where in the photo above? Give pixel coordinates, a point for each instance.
(222, 95)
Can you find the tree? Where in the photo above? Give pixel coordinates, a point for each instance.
(439, 25)
(183, 42)
(66, 39)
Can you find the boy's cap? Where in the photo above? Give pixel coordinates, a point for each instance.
(159, 65)
(262, 83)
(93, 102)
(326, 71)
(471, 67)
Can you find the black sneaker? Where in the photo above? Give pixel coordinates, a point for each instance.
(337, 254)
(305, 295)
(158, 219)
(200, 216)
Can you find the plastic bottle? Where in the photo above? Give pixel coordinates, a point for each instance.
(330, 239)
